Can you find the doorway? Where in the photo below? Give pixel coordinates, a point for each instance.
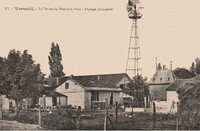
(54, 101)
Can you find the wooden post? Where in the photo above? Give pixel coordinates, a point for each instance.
(177, 123)
(1, 113)
(177, 118)
(111, 123)
(106, 114)
(178, 113)
(78, 120)
(154, 115)
(145, 102)
(132, 106)
(59, 104)
(39, 118)
(178, 107)
(116, 111)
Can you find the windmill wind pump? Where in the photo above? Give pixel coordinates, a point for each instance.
(132, 65)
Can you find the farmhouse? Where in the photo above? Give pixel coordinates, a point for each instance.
(161, 80)
(88, 91)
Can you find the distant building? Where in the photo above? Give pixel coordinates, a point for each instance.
(172, 95)
(89, 91)
(162, 78)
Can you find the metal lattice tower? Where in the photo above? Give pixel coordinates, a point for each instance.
(134, 56)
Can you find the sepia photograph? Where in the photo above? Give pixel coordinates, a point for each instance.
(99, 65)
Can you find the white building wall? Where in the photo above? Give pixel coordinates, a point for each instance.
(172, 97)
(169, 106)
(41, 101)
(5, 102)
(104, 95)
(48, 101)
(117, 97)
(63, 101)
(124, 80)
(75, 93)
(87, 100)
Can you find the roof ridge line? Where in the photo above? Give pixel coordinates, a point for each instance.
(101, 74)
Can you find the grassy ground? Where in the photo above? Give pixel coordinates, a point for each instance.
(60, 119)
(14, 125)
(139, 121)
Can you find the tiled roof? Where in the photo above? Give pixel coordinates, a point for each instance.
(163, 76)
(102, 80)
(53, 82)
(180, 83)
(174, 86)
(54, 93)
(103, 89)
(196, 78)
(90, 82)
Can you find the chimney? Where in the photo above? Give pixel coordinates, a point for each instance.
(170, 65)
(98, 77)
(156, 63)
(71, 76)
(57, 80)
(164, 67)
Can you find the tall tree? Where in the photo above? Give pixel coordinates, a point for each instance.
(183, 73)
(55, 59)
(2, 75)
(195, 68)
(22, 77)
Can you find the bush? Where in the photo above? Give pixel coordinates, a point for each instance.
(56, 121)
(28, 117)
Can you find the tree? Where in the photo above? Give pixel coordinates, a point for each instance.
(55, 59)
(195, 68)
(2, 76)
(183, 73)
(23, 78)
(138, 89)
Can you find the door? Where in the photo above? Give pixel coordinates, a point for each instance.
(54, 101)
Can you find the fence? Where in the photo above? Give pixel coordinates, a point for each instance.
(115, 118)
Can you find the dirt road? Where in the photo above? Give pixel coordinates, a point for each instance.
(14, 125)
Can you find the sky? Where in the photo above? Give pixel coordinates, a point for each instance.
(96, 42)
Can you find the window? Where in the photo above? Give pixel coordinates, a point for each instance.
(168, 78)
(95, 96)
(66, 85)
(122, 86)
(153, 79)
(160, 79)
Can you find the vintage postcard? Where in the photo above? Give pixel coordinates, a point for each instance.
(99, 65)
